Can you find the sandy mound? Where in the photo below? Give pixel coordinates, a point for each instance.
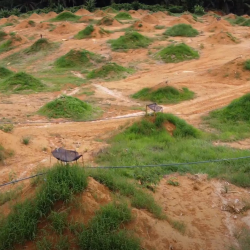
(178, 21)
(24, 25)
(134, 13)
(189, 18)
(3, 20)
(82, 12)
(246, 16)
(150, 19)
(35, 16)
(142, 12)
(64, 28)
(159, 15)
(100, 13)
(109, 10)
(109, 21)
(98, 33)
(12, 19)
(42, 14)
(86, 18)
(231, 16)
(51, 14)
(221, 38)
(43, 26)
(216, 26)
(18, 40)
(143, 26)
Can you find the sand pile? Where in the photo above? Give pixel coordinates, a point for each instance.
(216, 26)
(18, 40)
(35, 16)
(99, 33)
(110, 10)
(178, 21)
(100, 13)
(82, 12)
(189, 18)
(42, 14)
(150, 19)
(3, 20)
(109, 21)
(51, 14)
(64, 28)
(142, 26)
(43, 26)
(12, 19)
(86, 18)
(142, 12)
(159, 15)
(231, 16)
(245, 16)
(134, 13)
(25, 24)
(222, 38)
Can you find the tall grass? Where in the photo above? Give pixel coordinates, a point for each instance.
(182, 29)
(39, 45)
(65, 16)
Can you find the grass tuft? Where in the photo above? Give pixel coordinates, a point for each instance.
(177, 53)
(85, 33)
(164, 95)
(65, 16)
(123, 16)
(4, 72)
(182, 29)
(131, 40)
(247, 65)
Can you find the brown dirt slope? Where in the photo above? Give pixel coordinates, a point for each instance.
(64, 28)
(150, 19)
(142, 26)
(82, 12)
(222, 38)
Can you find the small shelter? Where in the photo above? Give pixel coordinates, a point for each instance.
(153, 106)
(65, 155)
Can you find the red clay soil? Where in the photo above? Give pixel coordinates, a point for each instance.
(82, 12)
(24, 25)
(231, 16)
(86, 18)
(3, 21)
(159, 15)
(19, 39)
(150, 19)
(216, 26)
(35, 16)
(143, 12)
(189, 18)
(220, 38)
(43, 26)
(134, 13)
(98, 33)
(12, 18)
(246, 16)
(143, 26)
(114, 23)
(100, 13)
(64, 28)
(178, 21)
(51, 14)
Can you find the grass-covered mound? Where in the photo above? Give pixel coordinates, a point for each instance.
(39, 45)
(67, 107)
(108, 21)
(182, 29)
(85, 33)
(65, 16)
(177, 53)
(4, 72)
(2, 35)
(21, 82)
(109, 70)
(164, 95)
(131, 40)
(78, 58)
(123, 16)
(232, 121)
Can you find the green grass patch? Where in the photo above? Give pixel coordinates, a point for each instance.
(4, 72)
(123, 16)
(65, 16)
(160, 27)
(164, 95)
(108, 71)
(246, 23)
(177, 53)
(78, 58)
(182, 29)
(6, 46)
(85, 33)
(21, 82)
(67, 107)
(247, 65)
(131, 40)
(4, 154)
(31, 23)
(10, 194)
(2, 35)
(39, 45)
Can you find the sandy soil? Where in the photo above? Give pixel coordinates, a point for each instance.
(195, 202)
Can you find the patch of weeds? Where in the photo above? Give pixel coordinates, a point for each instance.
(173, 182)
(182, 29)
(58, 221)
(40, 45)
(85, 33)
(131, 40)
(44, 244)
(7, 128)
(6, 46)
(10, 195)
(2, 35)
(243, 239)
(177, 53)
(4, 72)
(65, 16)
(68, 107)
(233, 38)
(179, 226)
(26, 140)
(109, 70)
(159, 27)
(123, 16)
(63, 243)
(31, 23)
(164, 95)
(107, 21)
(237, 75)
(202, 46)
(247, 65)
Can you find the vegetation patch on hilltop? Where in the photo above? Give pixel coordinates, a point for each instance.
(123, 16)
(41, 44)
(182, 29)
(65, 16)
(4, 72)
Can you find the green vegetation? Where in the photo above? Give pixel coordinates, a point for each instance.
(67, 107)
(6, 45)
(26, 140)
(78, 58)
(39, 45)
(181, 30)
(243, 239)
(4, 154)
(159, 27)
(123, 16)
(58, 221)
(2, 35)
(85, 33)
(7, 128)
(177, 53)
(10, 194)
(233, 38)
(65, 16)
(164, 95)
(131, 40)
(109, 70)
(31, 23)
(247, 65)
(107, 21)
(20, 82)
(4, 72)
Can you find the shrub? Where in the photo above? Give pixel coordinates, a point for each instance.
(26, 140)
(4, 72)
(246, 23)
(131, 40)
(181, 30)
(85, 33)
(199, 10)
(177, 53)
(247, 65)
(123, 16)
(90, 5)
(21, 82)
(67, 107)
(65, 16)
(164, 95)
(175, 9)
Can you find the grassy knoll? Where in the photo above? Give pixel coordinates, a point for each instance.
(123, 16)
(182, 29)
(65, 16)
(21, 82)
(85, 33)
(67, 107)
(131, 40)
(4, 72)
(107, 21)
(108, 71)
(233, 121)
(41, 44)
(78, 58)
(148, 141)
(164, 95)
(177, 53)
